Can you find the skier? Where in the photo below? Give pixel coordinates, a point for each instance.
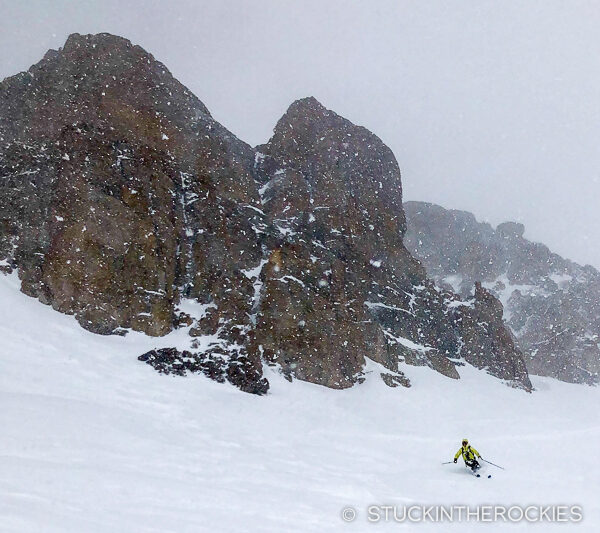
(470, 455)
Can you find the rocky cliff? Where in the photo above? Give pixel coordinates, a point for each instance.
(551, 304)
(124, 203)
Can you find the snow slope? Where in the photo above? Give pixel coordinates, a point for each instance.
(92, 440)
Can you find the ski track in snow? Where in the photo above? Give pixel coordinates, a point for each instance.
(93, 440)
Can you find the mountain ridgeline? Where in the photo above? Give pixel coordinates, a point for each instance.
(124, 203)
(551, 304)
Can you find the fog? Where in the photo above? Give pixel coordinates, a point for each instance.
(490, 107)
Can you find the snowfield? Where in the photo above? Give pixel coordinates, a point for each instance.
(92, 440)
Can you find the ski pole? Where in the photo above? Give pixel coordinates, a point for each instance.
(447, 462)
(489, 462)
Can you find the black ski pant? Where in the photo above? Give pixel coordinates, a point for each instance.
(473, 464)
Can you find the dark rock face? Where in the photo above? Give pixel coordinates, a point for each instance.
(106, 163)
(124, 203)
(484, 332)
(552, 305)
(120, 194)
(340, 285)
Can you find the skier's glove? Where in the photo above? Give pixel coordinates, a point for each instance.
(455, 460)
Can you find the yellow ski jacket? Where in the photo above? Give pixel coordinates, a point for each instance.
(467, 452)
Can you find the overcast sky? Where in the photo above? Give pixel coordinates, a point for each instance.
(489, 106)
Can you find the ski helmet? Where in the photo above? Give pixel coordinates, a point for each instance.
(465, 442)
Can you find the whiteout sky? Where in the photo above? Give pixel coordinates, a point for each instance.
(492, 107)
